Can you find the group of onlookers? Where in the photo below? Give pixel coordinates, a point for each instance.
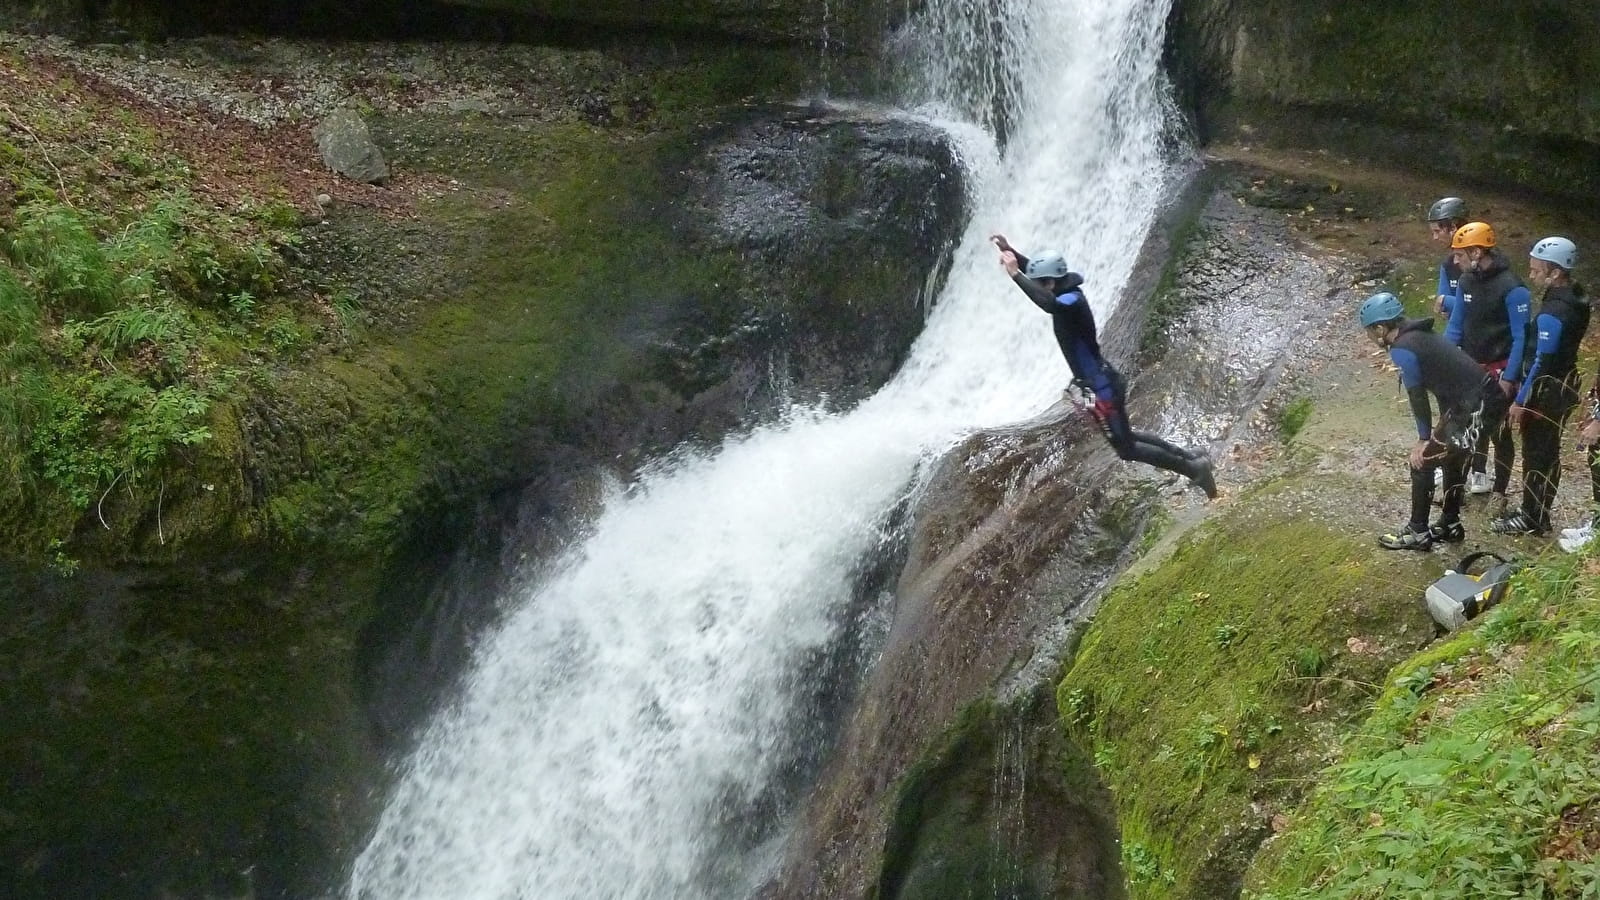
(1501, 368)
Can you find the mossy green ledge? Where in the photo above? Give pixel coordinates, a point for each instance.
(1208, 689)
(193, 723)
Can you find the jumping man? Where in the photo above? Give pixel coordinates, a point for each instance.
(1059, 292)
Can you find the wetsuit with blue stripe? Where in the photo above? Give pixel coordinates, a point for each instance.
(1469, 403)
(1449, 284)
(1490, 322)
(1074, 327)
(1550, 393)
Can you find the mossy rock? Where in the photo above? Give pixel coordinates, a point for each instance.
(180, 733)
(1206, 689)
(1001, 806)
(1501, 94)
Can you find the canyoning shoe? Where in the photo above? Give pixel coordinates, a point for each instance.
(1584, 528)
(1203, 477)
(1517, 523)
(1578, 539)
(1479, 483)
(1409, 537)
(1448, 534)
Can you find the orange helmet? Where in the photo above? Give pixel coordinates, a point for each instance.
(1473, 234)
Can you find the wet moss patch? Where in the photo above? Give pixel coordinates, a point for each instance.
(1207, 689)
(1476, 773)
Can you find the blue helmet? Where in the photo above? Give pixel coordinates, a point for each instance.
(1050, 265)
(1384, 307)
(1556, 251)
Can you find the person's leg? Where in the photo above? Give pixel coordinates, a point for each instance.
(1594, 476)
(1415, 534)
(1542, 425)
(1505, 456)
(1454, 466)
(1480, 461)
(1138, 446)
(1152, 450)
(1421, 496)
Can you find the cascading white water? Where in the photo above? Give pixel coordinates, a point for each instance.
(640, 691)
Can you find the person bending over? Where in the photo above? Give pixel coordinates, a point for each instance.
(1471, 403)
(1048, 283)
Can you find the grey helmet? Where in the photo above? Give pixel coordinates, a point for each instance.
(1556, 251)
(1050, 265)
(1448, 209)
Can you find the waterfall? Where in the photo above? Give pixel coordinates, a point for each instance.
(640, 694)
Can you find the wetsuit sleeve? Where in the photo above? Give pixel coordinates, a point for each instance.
(1411, 377)
(1517, 303)
(1456, 327)
(1040, 297)
(1549, 339)
(1022, 261)
(1445, 292)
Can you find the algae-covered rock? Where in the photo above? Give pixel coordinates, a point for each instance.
(568, 296)
(1503, 92)
(790, 20)
(795, 263)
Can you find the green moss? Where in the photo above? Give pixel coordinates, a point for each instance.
(1189, 693)
(527, 333)
(1476, 774)
(208, 727)
(1293, 417)
(999, 806)
(1167, 301)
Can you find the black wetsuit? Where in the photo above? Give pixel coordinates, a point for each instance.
(1489, 322)
(1549, 394)
(1075, 332)
(1470, 404)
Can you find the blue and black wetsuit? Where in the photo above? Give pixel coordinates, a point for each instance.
(1074, 326)
(1449, 284)
(1490, 322)
(1550, 393)
(1470, 403)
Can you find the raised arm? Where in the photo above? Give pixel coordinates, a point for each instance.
(1036, 292)
(1005, 247)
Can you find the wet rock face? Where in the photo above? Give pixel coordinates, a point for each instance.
(811, 21)
(846, 226)
(1013, 540)
(846, 27)
(1504, 93)
(843, 226)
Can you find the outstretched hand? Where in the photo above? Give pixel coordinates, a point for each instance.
(1001, 242)
(1008, 261)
